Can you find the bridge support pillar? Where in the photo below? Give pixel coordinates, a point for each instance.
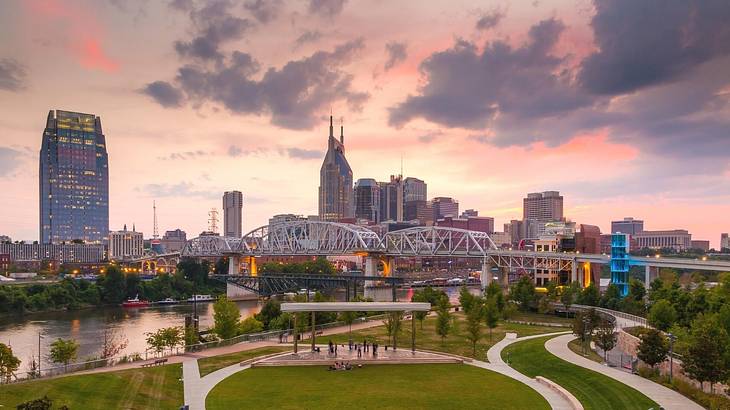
(505, 277)
(234, 263)
(573, 271)
(388, 262)
(371, 266)
(649, 275)
(486, 275)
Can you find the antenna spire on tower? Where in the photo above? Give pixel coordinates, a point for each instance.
(155, 234)
(332, 130)
(342, 130)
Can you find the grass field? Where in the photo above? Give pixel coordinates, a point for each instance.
(208, 365)
(577, 347)
(435, 386)
(593, 390)
(151, 388)
(428, 339)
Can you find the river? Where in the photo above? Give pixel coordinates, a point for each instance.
(86, 326)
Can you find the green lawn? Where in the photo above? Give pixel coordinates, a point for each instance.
(208, 365)
(541, 318)
(428, 339)
(594, 390)
(151, 388)
(425, 386)
(576, 346)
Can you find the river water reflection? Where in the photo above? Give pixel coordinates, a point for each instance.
(87, 326)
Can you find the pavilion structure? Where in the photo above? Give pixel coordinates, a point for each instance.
(314, 307)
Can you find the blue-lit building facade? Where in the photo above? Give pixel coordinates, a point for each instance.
(74, 179)
(620, 247)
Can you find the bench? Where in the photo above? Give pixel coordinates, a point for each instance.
(157, 362)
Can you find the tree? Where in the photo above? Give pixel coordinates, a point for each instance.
(706, 359)
(567, 297)
(584, 323)
(491, 315)
(662, 315)
(523, 292)
(494, 292)
(473, 322)
(466, 299)
(225, 318)
(113, 285)
(165, 337)
(393, 323)
(156, 340)
(9, 364)
(653, 348)
(606, 337)
(221, 266)
(44, 403)
(112, 343)
(270, 311)
(250, 325)
(64, 351)
(443, 318)
(590, 295)
(419, 315)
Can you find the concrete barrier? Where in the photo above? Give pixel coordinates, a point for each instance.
(574, 403)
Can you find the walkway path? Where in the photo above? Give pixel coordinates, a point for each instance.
(496, 364)
(665, 397)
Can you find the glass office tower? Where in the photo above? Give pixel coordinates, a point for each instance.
(335, 181)
(74, 179)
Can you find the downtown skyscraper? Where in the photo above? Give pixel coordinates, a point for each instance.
(335, 181)
(232, 214)
(73, 179)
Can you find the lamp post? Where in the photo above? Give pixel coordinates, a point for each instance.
(672, 338)
(586, 322)
(39, 354)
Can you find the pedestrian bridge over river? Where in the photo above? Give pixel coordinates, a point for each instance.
(320, 238)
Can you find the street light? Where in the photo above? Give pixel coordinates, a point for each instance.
(672, 338)
(39, 354)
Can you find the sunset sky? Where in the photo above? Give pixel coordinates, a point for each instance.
(621, 105)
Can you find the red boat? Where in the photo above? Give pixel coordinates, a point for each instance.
(135, 302)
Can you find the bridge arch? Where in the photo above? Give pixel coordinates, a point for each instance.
(438, 241)
(309, 238)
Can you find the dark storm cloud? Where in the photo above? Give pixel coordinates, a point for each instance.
(214, 25)
(263, 10)
(327, 8)
(12, 75)
(292, 94)
(490, 19)
(164, 94)
(397, 53)
(468, 88)
(309, 36)
(644, 43)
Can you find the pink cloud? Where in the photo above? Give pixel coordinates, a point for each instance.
(78, 28)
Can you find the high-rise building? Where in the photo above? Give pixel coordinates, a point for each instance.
(444, 206)
(73, 179)
(543, 206)
(367, 200)
(125, 244)
(700, 244)
(469, 212)
(232, 214)
(677, 239)
(724, 241)
(174, 241)
(470, 223)
(414, 189)
(335, 181)
(421, 211)
(391, 199)
(628, 225)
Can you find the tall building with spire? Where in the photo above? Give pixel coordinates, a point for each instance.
(335, 181)
(74, 179)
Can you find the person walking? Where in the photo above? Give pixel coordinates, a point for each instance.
(359, 352)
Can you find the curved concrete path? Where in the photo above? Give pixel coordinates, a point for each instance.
(496, 364)
(665, 397)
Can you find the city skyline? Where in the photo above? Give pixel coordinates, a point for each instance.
(611, 160)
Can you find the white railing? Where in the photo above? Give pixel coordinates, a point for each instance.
(637, 320)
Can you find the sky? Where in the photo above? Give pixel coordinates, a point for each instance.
(622, 106)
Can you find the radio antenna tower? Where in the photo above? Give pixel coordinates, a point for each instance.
(155, 233)
(213, 220)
